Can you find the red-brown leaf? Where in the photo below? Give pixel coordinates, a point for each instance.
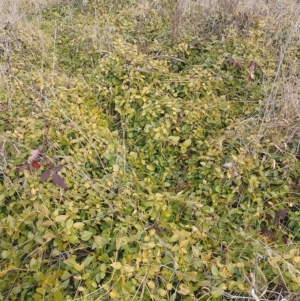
(280, 215)
(23, 167)
(237, 64)
(57, 168)
(35, 165)
(269, 234)
(45, 175)
(58, 180)
(3, 108)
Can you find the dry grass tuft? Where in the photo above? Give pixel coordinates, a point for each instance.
(280, 109)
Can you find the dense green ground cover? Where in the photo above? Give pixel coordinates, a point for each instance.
(168, 190)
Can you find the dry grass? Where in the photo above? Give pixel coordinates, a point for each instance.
(280, 110)
(15, 11)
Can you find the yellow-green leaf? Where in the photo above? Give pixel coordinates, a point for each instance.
(61, 218)
(174, 139)
(116, 265)
(195, 251)
(214, 270)
(78, 225)
(34, 264)
(79, 267)
(86, 235)
(151, 284)
(186, 143)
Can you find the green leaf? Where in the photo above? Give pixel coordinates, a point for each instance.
(66, 275)
(69, 223)
(79, 267)
(86, 235)
(99, 242)
(73, 238)
(216, 293)
(41, 290)
(214, 270)
(183, 289)
(195, 252)
(120, 242)
(174, 139)
(150, 167)
(34, 264)
(186, 143)
(103, 267)
(174, 238)
(88, 260)
(4, 254)
(58, 295)
(184, 146)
